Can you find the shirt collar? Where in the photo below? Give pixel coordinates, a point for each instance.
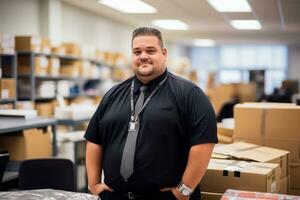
(151, 85)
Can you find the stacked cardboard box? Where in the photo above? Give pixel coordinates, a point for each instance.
(46, 46)
(7, 43)
(41, 65)
(60, 50)
(225, 131)
(45, 109)
(274, 125)
(253, 176)
(28, 43)
(70, 68)
(85, 69)
(27, 144)
(222, 94)
(72, 49)
(7, 88)
(6, 106)
(252, 152)
(246, 195)
(25, 105)
(54, 66)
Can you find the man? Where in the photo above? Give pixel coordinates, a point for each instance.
(161, 151)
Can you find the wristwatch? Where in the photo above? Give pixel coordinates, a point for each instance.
(184, 190)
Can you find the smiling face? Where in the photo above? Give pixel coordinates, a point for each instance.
(148, 58)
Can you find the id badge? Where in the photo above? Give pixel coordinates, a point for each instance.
(132, 126)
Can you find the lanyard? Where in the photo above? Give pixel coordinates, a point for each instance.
(134, 118)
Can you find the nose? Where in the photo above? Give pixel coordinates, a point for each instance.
(144, 57)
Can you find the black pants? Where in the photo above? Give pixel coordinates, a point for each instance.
(157, 196)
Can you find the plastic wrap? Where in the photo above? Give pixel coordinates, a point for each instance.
(46, 194)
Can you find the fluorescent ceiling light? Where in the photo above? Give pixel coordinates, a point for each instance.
(230, 5)
(204, 42)
(170, 24)
(245, 24)
(129, 6)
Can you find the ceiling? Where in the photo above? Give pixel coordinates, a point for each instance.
(280, 20)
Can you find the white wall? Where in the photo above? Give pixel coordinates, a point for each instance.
(20, 17)
(62, 22)
(294, 63)
(84, 27)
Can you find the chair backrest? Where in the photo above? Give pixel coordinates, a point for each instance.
(51, 173)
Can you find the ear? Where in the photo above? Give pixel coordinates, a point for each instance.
(165, 52)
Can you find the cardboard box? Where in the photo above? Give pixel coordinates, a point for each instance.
(41, 65)
(225, 130)
(293, 146)
(295, 176)
(7, 88)
(246, 195)
(221, 94)
(222, 139)
(28, 144)
(283, 123)
(268, 120)
(25, 105)
(253, 152)
(243, 128)
(295, 192)
(70, 69)
(28, 43)
(284, 185)
(45, 109)
(243, 175)
(85, 68)
(54, 67)
(46, 45)
(211, 196)
(7, 43)
(72, 49)
(58, 50)
(246, 92)
(6, 106)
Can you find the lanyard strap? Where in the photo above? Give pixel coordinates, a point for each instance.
(134, 118)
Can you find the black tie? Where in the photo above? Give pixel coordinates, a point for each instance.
(127, 161)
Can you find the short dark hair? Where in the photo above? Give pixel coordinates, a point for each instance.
(142, 31)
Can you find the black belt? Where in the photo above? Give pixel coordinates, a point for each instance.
(132, 195)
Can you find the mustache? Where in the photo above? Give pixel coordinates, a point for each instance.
(144, 62)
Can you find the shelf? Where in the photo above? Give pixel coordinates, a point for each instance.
(7, 54)
(58, 78)
(64, 57)
(7, 100)
(37, 98)
(34, 53)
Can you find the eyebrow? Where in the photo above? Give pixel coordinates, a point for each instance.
(150, 47)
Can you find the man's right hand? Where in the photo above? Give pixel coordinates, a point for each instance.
(100, 187)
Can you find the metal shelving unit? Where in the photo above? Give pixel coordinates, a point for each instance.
(33, 78)
(10, 125)
(9, 61)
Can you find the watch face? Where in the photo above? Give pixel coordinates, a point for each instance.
(185, 192)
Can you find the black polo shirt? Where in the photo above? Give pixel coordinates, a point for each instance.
(177, 117)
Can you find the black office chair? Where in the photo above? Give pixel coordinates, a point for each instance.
(51, 173)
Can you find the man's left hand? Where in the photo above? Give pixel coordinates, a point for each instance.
(175, 192)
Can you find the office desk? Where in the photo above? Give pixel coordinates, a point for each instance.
(46, 194)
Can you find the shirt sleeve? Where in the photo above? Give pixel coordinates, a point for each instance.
(92, 133)
(201, 118)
